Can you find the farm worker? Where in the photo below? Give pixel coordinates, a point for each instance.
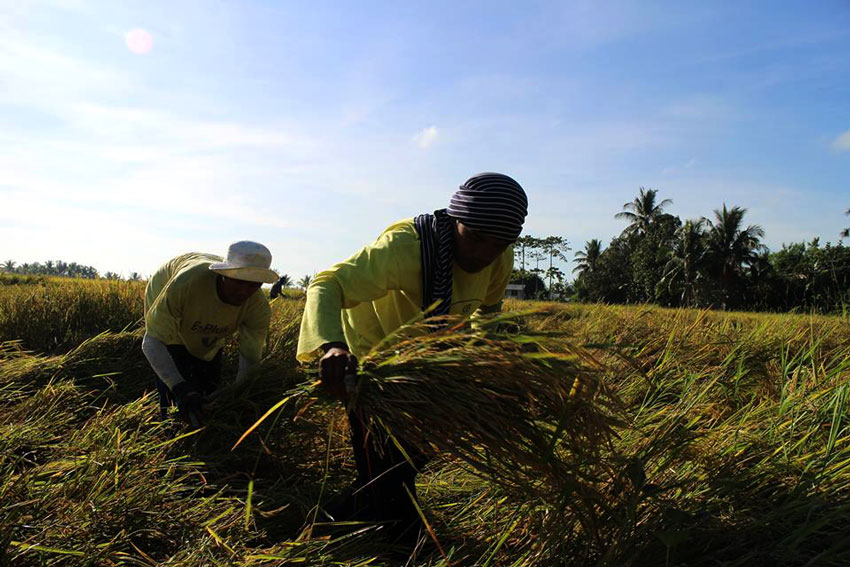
(193, 304)
(278, 286)
(461, 257)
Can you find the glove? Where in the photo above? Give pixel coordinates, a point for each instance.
(188, 399)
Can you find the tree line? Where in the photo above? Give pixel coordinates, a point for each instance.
(536, 266)
(61, 268)
(719, 262)
(716, 262)
(51, 268)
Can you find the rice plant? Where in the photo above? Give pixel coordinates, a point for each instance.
(721, 439)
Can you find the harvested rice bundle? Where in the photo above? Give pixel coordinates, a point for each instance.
(523, 415)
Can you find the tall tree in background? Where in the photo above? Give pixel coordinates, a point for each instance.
(642, 211)
(555, 248)
(529, 253)
(763, 284)
(610, 280)
(536, 255)
(846, 232)
(304, 282)
(683, 272)
(650, 252)
(729, 248)
(586, 259)
(526, 250)
(524, 244)
(9, 266)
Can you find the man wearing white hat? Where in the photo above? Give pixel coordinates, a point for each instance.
(193, 304)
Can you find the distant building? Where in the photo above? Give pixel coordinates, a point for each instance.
(515, 291)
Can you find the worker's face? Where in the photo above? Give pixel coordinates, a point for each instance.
(475, 250)
(236, 292)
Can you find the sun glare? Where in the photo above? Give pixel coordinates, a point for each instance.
(139, 41)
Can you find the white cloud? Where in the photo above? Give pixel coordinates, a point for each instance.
(706, 108)
(119, 124)
(675, 169)
(842, 142)
(34, 75)
(426, 137)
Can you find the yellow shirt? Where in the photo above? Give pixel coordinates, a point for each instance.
(363, 299)
(182, 307)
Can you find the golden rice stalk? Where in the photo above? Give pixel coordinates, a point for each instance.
(511, 407)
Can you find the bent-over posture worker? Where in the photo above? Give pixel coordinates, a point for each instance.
(193, 304)
(460, 256)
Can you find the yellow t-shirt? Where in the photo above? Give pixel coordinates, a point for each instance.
(379, 289)
(182, 307)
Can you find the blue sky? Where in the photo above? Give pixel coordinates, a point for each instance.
(312, 126)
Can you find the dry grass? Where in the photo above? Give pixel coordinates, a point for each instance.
(735, 449)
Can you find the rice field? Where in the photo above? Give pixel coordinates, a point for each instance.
(723, 441)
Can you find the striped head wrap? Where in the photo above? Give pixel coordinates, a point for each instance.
(491, 203)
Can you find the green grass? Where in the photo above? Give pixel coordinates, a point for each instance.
(735, 449)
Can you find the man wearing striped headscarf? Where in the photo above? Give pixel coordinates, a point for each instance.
(457, 260)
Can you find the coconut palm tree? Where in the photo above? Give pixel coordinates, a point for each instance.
(9, 266)
(730, 247)
(586, 259)
(684, 270)
(642, 211)
(304, 282)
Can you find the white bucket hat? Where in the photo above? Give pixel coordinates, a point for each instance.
(247, 261)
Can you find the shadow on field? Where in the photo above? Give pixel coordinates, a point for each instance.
(283, 467)
(751, 513)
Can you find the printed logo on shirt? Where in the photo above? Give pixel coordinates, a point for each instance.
(465, 306)
(209, 328)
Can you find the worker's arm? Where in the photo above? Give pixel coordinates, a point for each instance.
(189, 400)
(390, 263)
(160, 360)
(162, 327)
(246, 367)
